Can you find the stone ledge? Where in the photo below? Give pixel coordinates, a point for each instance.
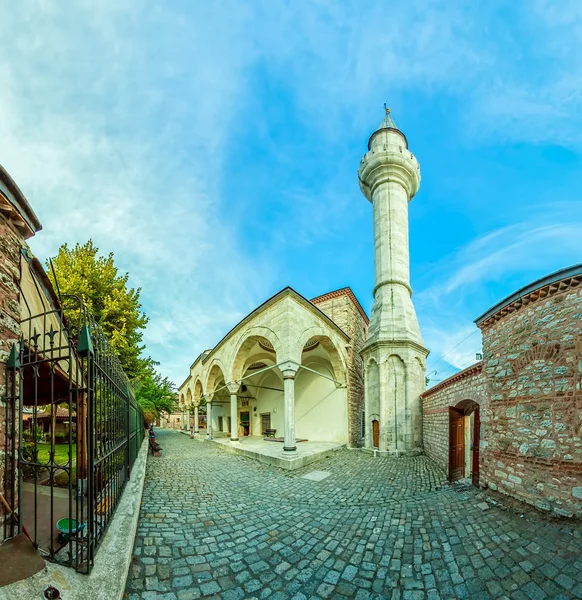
(392, 453)
(112, 561)
(287, 462)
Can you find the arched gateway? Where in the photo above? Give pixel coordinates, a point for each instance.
(464, 434)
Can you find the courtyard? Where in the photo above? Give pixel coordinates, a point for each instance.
(217, 525)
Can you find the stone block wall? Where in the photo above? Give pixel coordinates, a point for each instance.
(467, 385)
(531, 428)
(11, 241)
(342, 307)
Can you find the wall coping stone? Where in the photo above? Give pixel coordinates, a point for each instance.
(469, 371)
(555, 283)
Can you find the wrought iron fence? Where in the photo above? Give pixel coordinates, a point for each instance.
(74, 432)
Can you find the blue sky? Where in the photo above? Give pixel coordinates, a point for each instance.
(214, 148)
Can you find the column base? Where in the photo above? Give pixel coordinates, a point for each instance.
(293, 449)
(234, 439)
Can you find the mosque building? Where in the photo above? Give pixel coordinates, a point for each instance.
(319, 370)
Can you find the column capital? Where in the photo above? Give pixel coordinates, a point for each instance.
(233, 387)
(289, 369)
(209, 398)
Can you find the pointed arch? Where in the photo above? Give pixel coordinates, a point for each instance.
(255, 341)
(198, 391)
(322, 336)
(216, 374)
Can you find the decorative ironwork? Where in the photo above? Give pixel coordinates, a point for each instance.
(74, 433)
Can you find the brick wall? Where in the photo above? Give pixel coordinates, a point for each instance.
(532, 444)
(466, 385)
(342, 308)
(10, 243)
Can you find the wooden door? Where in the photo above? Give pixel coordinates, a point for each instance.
(476, 439)
(265, 423)
(456, 444)
(245, 422)
(376, 433)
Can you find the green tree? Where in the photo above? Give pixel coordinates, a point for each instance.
(81, 271)
(153, 392)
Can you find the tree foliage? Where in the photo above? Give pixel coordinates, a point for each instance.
(153, 392)
(81, 271)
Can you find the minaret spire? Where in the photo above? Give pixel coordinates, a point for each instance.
(394, 354)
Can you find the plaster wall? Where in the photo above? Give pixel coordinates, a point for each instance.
(270, 401)
(320, 406)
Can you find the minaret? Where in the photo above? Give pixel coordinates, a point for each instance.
(394, 354)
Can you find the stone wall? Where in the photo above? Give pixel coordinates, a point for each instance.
(10, 244)
(467, 385)
(531, 433)
(343, 309)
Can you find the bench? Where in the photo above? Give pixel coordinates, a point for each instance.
(270, 432)
(154, 447)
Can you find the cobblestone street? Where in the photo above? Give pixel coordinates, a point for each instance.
(215, 525)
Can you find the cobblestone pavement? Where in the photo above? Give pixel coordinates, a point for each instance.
(215, 525)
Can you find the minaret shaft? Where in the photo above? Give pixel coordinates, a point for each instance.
(390, 209)
(394, 353)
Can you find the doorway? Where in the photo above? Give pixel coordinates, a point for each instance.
(464, 437)
(245, 423)
(376, 433)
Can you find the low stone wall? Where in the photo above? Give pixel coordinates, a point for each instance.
(531, 438)
(466, 385)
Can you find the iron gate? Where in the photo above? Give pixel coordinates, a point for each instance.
(73, 433)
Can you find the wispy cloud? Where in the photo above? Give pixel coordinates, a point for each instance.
(463, 285)
(126, 123)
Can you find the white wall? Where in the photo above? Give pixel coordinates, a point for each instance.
(321, 412)
(219, 410)
(269, 401)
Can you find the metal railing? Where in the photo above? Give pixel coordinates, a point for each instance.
(74, 431)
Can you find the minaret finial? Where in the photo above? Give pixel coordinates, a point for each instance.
(386, 108)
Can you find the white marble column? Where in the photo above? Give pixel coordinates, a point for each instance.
(209, 418)
(233, 389)
(188, 420)
(289, 371)
(368, 441)
(182, 418)
(196, 419)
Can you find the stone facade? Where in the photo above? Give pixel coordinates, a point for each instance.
(17, 223)
(466, 385)
(531, 428)
(343, 308)
(528, 388)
